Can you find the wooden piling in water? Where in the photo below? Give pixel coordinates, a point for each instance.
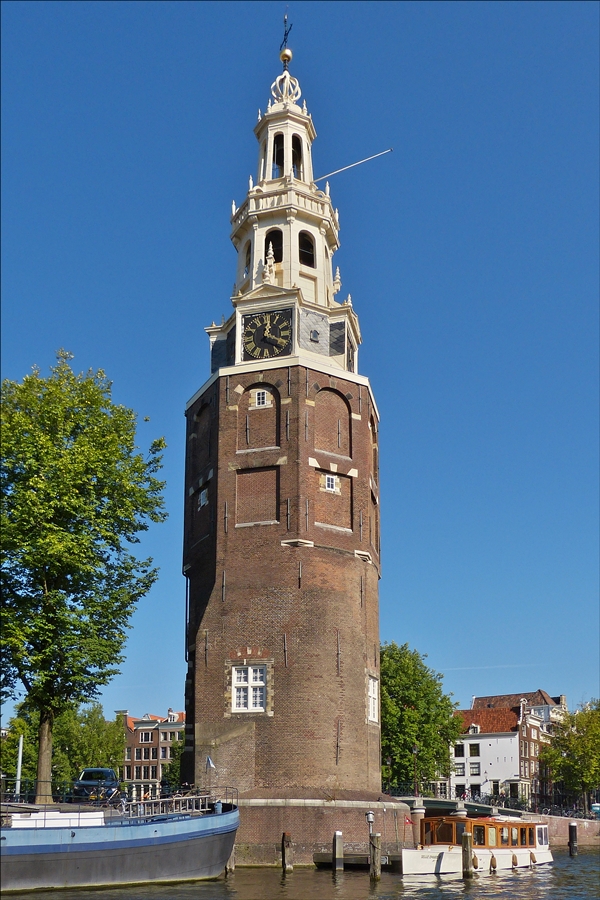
(337, 853)
(375, 857)
(572, 838)
(467, 855)
(287, 852)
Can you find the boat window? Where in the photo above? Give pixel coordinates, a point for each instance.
(460, 830)
(523, 837)
(545, 834)
(491, 836)
(540, 835)
(514, 836)
(427, 833)
(531, 837)
(478, 835)
(443, 833)
(504, 837)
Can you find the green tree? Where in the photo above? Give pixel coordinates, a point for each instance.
(573, 755)
(75, 494)
(416, 715)
(172, 771)
(81, 737)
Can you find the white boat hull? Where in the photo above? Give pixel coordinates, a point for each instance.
(437, 860)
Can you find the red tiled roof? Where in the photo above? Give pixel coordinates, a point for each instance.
(533, 698)
(490, 721)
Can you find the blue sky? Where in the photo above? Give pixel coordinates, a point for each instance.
(471, 253)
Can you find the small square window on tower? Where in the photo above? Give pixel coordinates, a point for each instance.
(330, 483)
(203, 498)
(261, 398)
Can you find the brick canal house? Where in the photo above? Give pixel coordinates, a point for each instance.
(281, 534)
(149, 746)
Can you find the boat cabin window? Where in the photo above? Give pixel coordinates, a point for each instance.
(531, 837)
(427, 833)
(514, 837)
(460, 830)
(491, 836)
(443, 833)
(479, 835)
(523, 837)
(542, 834)
(504, 837)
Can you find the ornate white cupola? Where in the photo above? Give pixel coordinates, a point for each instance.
(285, 233)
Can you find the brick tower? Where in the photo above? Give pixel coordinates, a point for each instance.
(281, 543)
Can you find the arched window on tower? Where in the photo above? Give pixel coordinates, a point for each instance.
(297, 157)
(277, 170)
(275, 237)
(247, 259)
(306, 249)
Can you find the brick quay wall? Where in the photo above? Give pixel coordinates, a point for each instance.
(588, 831)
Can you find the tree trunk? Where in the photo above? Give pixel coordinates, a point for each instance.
(44, 767)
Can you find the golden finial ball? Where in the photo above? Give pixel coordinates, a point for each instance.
(286, 55)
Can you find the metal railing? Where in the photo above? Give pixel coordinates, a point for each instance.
(181, 799)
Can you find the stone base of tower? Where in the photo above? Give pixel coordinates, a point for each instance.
(311, 824)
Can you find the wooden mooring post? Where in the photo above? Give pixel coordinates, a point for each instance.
(572, 838)
(287, 852)
(467, 855)
(337, 853)
(375, 857)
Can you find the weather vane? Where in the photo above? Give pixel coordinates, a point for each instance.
(286, 32)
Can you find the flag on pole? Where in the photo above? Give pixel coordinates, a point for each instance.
(209, 764)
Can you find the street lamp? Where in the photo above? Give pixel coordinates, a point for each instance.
(415, 751)
(370, 817)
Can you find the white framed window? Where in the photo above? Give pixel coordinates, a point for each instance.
(138, 752)
(203, 498)
(249, 688)
(145, 737)
(474, 769)
(459, 768)
(330, 483)
(373, 699)
(163, 735)
(261, 398)
(163, 752)
(127, 752)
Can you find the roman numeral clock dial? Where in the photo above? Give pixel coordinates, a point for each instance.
(267, 334)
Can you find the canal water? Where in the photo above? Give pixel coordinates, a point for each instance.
(566, 879)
